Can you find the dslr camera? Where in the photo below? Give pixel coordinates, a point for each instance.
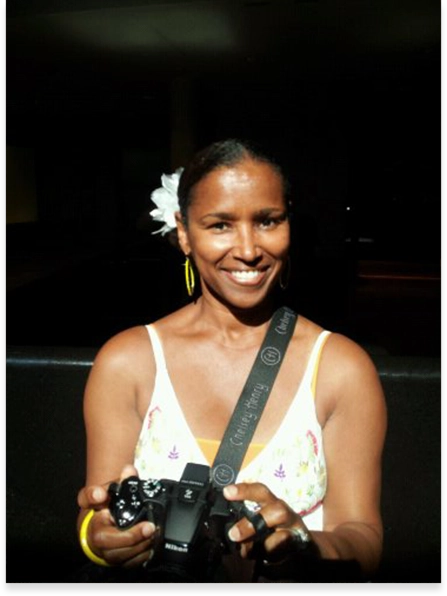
(192, 516)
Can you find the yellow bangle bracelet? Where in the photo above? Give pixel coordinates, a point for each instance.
(84, 544)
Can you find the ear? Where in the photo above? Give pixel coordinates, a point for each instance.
(182, 234)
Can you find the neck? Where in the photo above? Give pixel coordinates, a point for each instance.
(232, 325)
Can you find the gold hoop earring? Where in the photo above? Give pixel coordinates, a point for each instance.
(189, 277)
(284, 278)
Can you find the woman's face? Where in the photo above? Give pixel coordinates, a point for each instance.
(237, 232)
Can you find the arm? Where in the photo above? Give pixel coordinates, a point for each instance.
(353, 438)
(351, 406)
(121, 374)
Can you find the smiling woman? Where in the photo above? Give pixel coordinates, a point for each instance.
(236, 231)
(160, 397)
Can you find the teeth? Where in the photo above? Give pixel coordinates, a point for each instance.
(245, 275)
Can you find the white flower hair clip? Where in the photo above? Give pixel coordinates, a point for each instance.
(166, 200)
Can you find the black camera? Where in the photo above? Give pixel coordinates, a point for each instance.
(193, 518)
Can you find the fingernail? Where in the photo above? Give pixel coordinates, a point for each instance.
(230, 491)
(148, 529)
(97, 494)
(128, 470)
(234, 534)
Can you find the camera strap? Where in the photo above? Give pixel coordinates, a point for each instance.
(253, 398)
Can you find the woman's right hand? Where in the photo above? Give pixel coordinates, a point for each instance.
(126, 548)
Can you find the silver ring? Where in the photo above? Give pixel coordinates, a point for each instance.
(301, 537)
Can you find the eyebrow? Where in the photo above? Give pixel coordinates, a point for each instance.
(230, 217)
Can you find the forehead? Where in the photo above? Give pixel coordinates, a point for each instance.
(248, 180)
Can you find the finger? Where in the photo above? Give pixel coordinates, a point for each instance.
(250, 529)
(129, 557)
(92, 496)
(105, 536)
(258, 525)
(279, 514)
(273, 546)
(117, 546)
(277, 544)
(246, 491)
(140, 559)
(128, 470)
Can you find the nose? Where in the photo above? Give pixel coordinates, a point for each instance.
(246, 247)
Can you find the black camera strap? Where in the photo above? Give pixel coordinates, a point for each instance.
(255, 393)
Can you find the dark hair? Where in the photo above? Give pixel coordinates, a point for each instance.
(217, 155)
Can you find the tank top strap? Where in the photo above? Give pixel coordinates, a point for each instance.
(157, 348)
(311, 373)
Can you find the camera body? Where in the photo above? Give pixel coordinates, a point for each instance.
(193, 518)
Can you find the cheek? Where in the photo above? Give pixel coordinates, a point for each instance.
(210, 248)
(280, 245)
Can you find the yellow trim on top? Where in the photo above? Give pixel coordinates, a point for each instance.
(317, 366)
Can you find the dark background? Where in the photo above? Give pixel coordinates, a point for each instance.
(103, 96)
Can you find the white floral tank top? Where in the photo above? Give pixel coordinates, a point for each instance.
(292, 464)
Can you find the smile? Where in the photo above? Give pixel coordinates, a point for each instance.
(250, 276)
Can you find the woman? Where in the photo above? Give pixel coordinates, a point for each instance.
(161, 396)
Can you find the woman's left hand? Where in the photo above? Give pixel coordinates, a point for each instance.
(279, 517)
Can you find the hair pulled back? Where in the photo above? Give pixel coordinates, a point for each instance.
(220, 154)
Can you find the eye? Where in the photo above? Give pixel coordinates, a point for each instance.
(268, 223)
(219, 226)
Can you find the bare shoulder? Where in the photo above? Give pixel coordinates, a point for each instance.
(347, 380)
(343, 358)
(340, 354)
(345, 371)
(127, 352)
(306, 332)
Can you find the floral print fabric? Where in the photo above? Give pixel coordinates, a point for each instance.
(292, 464)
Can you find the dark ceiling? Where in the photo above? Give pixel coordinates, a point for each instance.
(138, 43)
(350, 87)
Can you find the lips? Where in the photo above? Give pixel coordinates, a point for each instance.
(248, 277)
